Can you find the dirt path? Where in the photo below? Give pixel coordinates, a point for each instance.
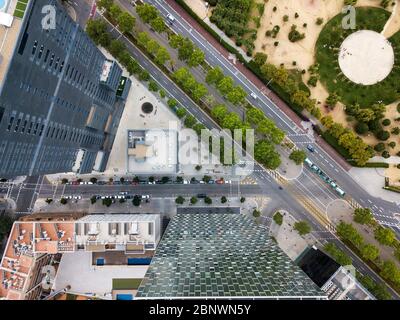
(393, 24)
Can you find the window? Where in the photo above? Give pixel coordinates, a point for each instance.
(41, 130)
(10, 123)
(36, 128)
(46, 55)
(17, 125)
(24, 126)
(150, 228)
(30, 128)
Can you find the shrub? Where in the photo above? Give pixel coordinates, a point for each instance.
(319, 21)
(386, 122)
(302, 227)
(361, 128)
(256, 213)
(379, 147)
(386, 154)
(278, 218)
(383, 135)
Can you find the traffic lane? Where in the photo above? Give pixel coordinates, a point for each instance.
(166, 190)
(277, 114)
(215, 58)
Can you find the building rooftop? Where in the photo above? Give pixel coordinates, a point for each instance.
(220, 256)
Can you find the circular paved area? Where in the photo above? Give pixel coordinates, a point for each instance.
(366, 57)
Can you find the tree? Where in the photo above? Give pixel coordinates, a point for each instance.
(176, 40)
(93, 200)
(242, 199)
(144, 75)
(143, 38)
(96, 29)
(63, 201)
(49, 200)
(196, 58)
(146, 12)
(369, 252)
(190, 121)
(219, 112)
(158, 24)
(224, 199)
(332, 99)
(214, 75)
(256, 213)
(338, 255)
(116, 47)
(384, 235)
(64, 181)
(93, 180)
(208, 200)
(122, 200)
(107, 202)
(199, 91)
(193, 200)
(126, 22)
(237, 95)
(152, 47)
(185, 50)
(225, 85)
(198, 167)
(162, 56)
(278, 218)
(361, 128)
(298, 156)
(115, 11)
(265, 153)
(302, 227)
(180, 113)
(363, 216)
(136, 200)
(260, 58)
(206, 179)
(348, 232)
(180, 200)
(390, 271)
(172, 103)
(104, 4)
(153, 86)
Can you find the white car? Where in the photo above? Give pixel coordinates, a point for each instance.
(145, 196)
(202, 182)
(254, 96)
(228, 181)
(171, 18)
(186, 182)
(77, 197)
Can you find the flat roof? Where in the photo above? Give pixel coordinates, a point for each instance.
(119, 218)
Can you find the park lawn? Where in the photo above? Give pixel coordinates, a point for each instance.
(327, 50)
(21, 6)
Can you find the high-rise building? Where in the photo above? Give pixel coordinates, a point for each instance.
(58, 94)
(222, 256)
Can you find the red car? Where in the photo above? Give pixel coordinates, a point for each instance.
(220, 181)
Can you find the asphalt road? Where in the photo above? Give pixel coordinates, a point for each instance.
(381, 208)
(267, 185)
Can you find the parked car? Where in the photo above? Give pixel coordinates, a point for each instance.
(310, 148)
(145, 196)
(220, 181)
(77, 197)
(211, 182)
(254, 96)
(201, 195)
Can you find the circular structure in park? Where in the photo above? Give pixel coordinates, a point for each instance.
(147, 108)
(360, 65)
(366, 57)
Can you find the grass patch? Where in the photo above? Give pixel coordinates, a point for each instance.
(21, 6)
(23, 1)
(327, 50)
(19, 14)
(126, 284)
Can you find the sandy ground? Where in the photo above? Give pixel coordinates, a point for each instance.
(199, 7)
(341, 210)
(393, 24)
(393, 174)
(303, 51)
